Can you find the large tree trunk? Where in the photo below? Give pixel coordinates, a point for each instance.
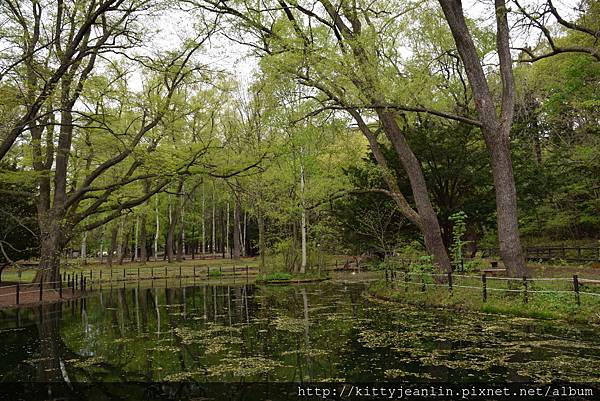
(429, 224)
(506, 209)
(113, 244)
(368, 84)
(174, 217)
(425, 218)
(136, 241)
(262, 242)
(143, 239)
(237, 211)
(157, 231)
(180, 244)
(170, 236)
(496, 130)
(50, 250)
(124, 246)
(227, 247)
(222, 233)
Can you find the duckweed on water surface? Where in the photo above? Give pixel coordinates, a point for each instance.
(261, 333)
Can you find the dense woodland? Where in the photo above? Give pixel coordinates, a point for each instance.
(368, 128)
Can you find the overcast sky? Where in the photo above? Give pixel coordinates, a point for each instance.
(223, 54)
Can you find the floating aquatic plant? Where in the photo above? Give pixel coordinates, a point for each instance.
(290, 324)
(164, 348)
(249, 366)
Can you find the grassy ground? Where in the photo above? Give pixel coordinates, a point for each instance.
(546, 298)
(148, 270)
(129, 270)
(285, 277)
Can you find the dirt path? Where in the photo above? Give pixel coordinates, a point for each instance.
(29, 295)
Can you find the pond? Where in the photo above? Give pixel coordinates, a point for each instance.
(313, 332)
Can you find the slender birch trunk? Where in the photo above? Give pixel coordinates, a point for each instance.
(227, 231)
(303, 223)
(212, 246)
(137, 227)
(203, 222)
(84, 248)
(157, 232)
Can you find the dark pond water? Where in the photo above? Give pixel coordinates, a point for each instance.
(317, 332)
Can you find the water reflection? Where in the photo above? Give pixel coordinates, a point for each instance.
(292, 333)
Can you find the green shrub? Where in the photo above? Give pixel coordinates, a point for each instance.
(274, 276)
(424, 268)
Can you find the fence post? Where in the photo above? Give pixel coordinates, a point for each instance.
(90, 275)
(484, 286)
(124, 274)
(208, 272)
(41, 287)
(576, 289)
(525, 295)
(18, 291)
(246, 273)
(165, 272)
(85, 284)
(386, 275)
(138, 274)
(450, 282)
(60, 289)
(422, 283)
(152, 272)
(180, 271)
(406, 278)
(111, 269)
(82, 283)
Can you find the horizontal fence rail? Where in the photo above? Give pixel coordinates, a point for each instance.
(527, 286)
(78, 282)
(566, 253)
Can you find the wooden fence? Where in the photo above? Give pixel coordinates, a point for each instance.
(526, 285)
(563, 252)
(74, 283)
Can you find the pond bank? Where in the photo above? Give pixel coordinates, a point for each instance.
(249, 333)
(546, 305)
(30, 295)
